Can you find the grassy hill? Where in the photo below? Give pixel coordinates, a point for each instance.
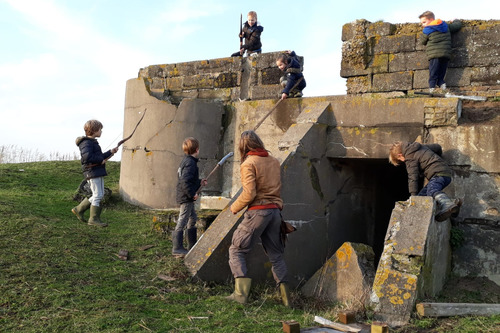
(60, 275)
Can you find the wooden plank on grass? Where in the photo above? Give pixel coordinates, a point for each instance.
(457, 309)
(334, 325)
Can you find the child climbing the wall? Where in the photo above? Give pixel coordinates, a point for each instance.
(94, 169)
(426, 160)
(251, 31)
(187, 187)
(293, 81)
(436, 37)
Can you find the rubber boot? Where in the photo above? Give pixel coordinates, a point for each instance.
(95, 217)
(80, 210)
(446, 207)
(178, 249)
(192, 237)
(285, 294)
(241, 290)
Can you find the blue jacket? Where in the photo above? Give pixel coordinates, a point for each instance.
(188, 179)
(293, 72)
(92, 157)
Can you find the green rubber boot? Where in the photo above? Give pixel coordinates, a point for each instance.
(95, 217)
(285, 294)
(80, 210)
(241, 290)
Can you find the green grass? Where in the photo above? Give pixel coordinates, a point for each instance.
(60, 275)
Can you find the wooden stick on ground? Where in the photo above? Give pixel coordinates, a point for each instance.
(457, 309)
(334, 325)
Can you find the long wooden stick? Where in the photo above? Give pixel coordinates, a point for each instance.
(276, 105)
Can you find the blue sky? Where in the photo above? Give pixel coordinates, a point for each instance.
(66, 61)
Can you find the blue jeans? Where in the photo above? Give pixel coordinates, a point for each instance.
(187, 216)
(435, 185)
(437, 71)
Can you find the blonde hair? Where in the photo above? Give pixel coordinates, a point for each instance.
(252, 14)
(92, 126)
(249, 141)
(190, 145)
(428, 15)
(394, 152)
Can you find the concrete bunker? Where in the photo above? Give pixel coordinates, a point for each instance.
(337, 182)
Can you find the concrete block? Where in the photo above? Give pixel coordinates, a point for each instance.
(380, 29)
(485, 75)
(406, 61)
(353, 29)
(204, 81)
(458, 77)
(213, 202)
(271, 75)
(421, 79)
(379, 63)
(265, 92)
(358, 84)
(221, 94)
(346, 277)
(392, 81)
(442, 111)
(413, 248)
(226, 80)
(394, 44)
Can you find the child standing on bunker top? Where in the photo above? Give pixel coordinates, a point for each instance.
(293, 81)
(426, 160)
(261, 182)
(94, 169)
(437, 39)
(187, 186)
(251, 32)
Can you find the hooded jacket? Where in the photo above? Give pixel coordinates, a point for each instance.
(92, 157)
(188, 180)
(293, 70)
(252, 37)
(423, 159)
(437, 38)
(261, 182)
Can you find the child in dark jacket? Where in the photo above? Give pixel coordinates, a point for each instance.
(187, 187)
(437, 38)
(251, 32)
(426, 159)
(293, 81)
(94, 169)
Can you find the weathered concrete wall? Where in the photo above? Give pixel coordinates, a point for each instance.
(383, 57)
(330, 197)
(225, 79)
(148, 175)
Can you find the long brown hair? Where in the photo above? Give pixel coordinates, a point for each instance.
(249, 141)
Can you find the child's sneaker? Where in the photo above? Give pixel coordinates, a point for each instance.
(443, 86)
(431, 90)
